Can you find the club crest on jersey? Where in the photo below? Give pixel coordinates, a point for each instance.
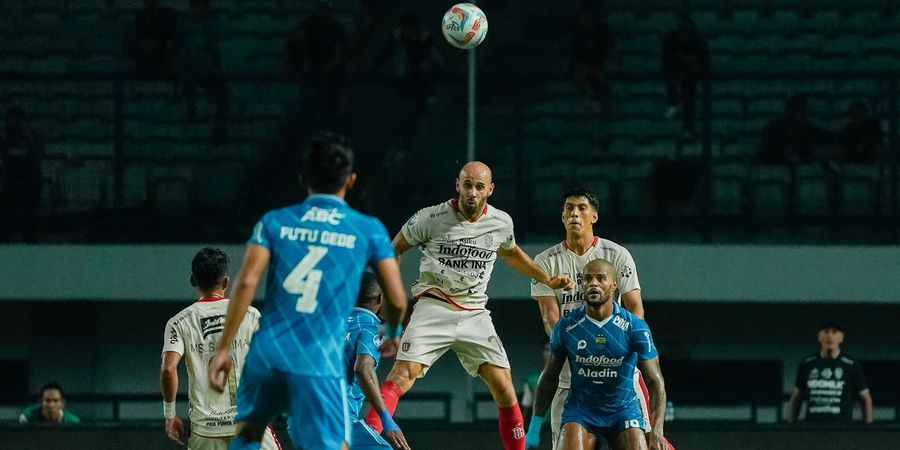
(600, 339)
(405, 346)
(626, 272)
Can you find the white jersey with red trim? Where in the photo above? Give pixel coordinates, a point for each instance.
(194, 333)
(561, 260)
(457, 255)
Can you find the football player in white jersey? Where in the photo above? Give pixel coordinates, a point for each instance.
(579, 214)
(193, 334)
(460, 239)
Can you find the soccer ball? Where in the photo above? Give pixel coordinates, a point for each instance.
(464, 26)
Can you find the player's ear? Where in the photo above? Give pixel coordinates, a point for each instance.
(595, 216)
(490, 190)
(225, 282)
(193, 281)
(351, 181)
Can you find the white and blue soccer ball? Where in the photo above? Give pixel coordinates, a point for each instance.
(464, 26)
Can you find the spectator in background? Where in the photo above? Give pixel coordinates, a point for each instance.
(154, 28)
(199, 63)
(830, 380)
(862, 140)
(592, 45)
(21, 151)
(51, 409)
(414, 61)
(318, 48)
(793, 138)
(685, 60)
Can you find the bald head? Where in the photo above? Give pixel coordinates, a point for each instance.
(476, 169)
(474, 186)
(598, 281)
(600, 265)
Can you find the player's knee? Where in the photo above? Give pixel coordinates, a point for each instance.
(251, 431)
(404, 374)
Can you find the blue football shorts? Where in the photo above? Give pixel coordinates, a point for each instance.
(365, 438)
(318, 417)
(605, 425)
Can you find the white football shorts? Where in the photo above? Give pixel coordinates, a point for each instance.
(436, 327)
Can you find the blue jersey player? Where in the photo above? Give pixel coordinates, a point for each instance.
(602, 342)
(315, 253)
(361, 356)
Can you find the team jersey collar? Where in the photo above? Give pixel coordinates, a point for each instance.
(593, 244)
(617, 310)
(366, 311)
(328, 198)
(455, 204)
(211, 299)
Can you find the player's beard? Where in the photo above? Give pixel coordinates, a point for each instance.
(472, 211)
(604, 298)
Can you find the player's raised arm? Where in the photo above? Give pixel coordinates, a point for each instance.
(657, 388)
(256, 260)
(364, 368)
(522, 263)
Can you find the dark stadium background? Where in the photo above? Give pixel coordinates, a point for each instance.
(131, 189)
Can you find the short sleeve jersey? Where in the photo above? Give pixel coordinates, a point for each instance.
(194, 333)
(602, 357)
(561, 260)
(457, 255)
(832, 385)
(319, 250)
(362, 338)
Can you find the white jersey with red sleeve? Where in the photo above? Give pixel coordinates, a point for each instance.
(458, 255)
(194, 333)
(561, 260)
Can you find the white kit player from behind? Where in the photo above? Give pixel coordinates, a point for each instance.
(193, 333)
(579, 214)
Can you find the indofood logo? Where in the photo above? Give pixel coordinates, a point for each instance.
(601, 360)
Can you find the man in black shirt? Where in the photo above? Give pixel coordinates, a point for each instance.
(830, 380)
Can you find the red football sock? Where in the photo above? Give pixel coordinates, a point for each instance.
(512, 428)
(391, 394)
